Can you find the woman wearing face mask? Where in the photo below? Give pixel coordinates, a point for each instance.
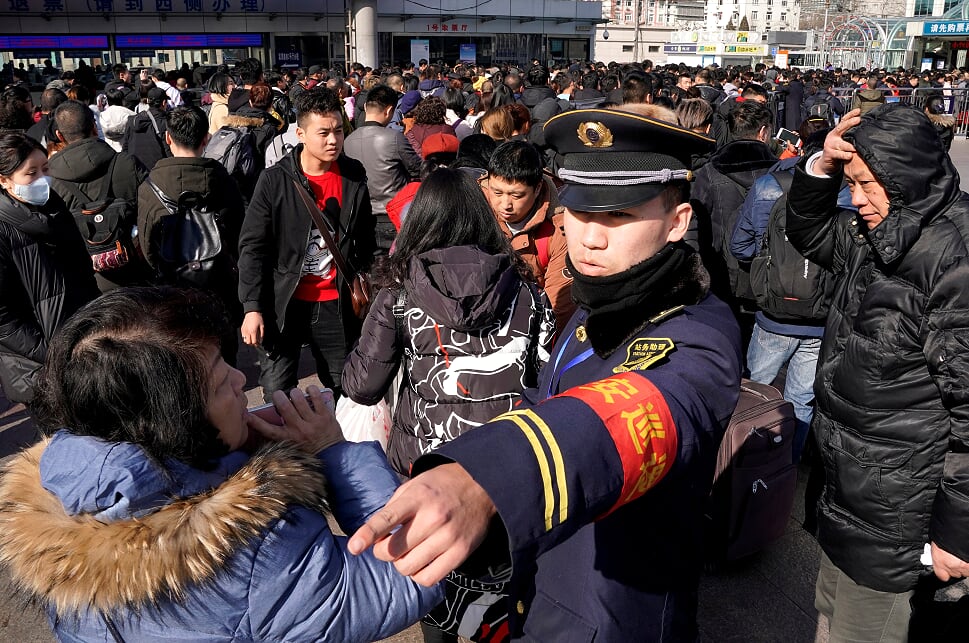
(45, 271)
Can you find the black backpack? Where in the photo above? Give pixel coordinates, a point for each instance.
(189, 246)
(822, 110)
(787, 286)
(235, 149)
(105, 224)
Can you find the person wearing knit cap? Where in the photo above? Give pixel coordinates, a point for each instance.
(589, 497)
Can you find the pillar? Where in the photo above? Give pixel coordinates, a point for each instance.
(365, 38)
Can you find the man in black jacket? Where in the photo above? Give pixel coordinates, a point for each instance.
(82, 166)
(721, 187)
(893, 374)
(290, 289)
(122, 82)
(390, 161)
(144, 138)
(188, 171)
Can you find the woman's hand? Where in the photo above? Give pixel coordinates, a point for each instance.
(308, 419)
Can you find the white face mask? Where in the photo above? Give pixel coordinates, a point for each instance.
(35, 193)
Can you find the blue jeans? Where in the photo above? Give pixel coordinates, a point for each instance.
(315, 323)
(767, 353)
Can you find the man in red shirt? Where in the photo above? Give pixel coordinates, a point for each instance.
(290, 289)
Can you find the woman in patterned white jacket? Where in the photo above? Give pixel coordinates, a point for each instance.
(470, 329)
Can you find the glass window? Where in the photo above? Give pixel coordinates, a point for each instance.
(753, 15)
(923, 7)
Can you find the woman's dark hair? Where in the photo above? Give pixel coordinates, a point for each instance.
(502, 95)
(15, 147)
(219, 84)
(448, 210)
(430, 111)
(411, 83)
(476, 150)
(454, 101)
(114, 96)
(131, 366)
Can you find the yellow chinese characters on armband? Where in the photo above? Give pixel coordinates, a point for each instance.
(640, 423)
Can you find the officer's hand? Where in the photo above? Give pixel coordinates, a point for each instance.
(946, 565)
(443, 516)
(253, 328)
(837, 151)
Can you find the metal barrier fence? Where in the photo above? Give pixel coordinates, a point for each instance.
(956, 102)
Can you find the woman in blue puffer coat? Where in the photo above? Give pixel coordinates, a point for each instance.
(147, 518)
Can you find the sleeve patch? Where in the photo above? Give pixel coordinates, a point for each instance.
(551, 465)
(639, 421)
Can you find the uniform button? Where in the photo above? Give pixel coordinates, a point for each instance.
(520, 607)
(890, 249)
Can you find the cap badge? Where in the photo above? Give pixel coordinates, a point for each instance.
(580, 333)
(594, 134)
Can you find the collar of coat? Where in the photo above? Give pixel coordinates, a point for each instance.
(77, 562)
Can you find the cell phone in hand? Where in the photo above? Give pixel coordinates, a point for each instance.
(787, 136)
(269, 413)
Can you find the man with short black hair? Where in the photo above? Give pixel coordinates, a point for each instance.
(174, 96)
(187, 133)
(249, 72)
(122, 81)
(526, 206)
(388, 157)
(82, 166)
(289, 286)
(49, 100)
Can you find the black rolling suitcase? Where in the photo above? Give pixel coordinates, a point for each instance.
(754, 483)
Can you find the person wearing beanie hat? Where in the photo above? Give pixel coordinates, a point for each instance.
(594, 513)
(440, 143)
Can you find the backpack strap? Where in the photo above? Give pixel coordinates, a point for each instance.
(167, 202)
(542, 237)
(154, 123)
(398, 309)
(785, 179)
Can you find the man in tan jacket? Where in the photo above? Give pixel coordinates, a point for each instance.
(526, 205)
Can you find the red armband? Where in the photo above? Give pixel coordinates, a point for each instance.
(640, 423)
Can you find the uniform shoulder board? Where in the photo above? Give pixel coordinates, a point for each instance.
(666, 314)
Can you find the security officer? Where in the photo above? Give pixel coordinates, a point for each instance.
(595, 494)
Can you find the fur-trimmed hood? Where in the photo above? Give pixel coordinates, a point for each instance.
(942, 121)
(236, 120)
(97, 548)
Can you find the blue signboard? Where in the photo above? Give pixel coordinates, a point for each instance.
(945, 27)
(679, 49)
(188, 41)
(289, 58)
(468, 53)
(8, 43)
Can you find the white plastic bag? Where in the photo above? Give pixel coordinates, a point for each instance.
(364, 423)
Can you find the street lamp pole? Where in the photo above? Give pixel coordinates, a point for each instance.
(824, 32)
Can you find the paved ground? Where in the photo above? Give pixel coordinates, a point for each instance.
(765, 599)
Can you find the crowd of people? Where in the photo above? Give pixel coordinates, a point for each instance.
(557, 277)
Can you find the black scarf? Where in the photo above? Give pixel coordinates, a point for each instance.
(620, 305)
